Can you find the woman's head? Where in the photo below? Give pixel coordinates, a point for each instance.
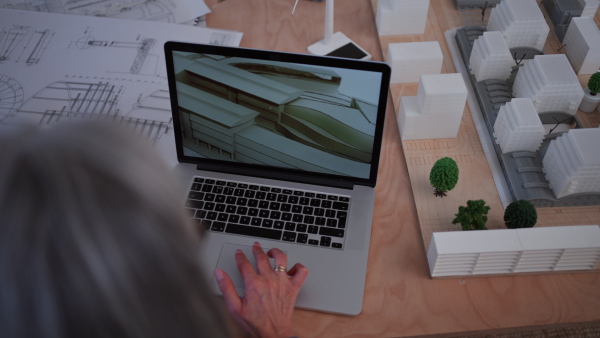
(93, 239)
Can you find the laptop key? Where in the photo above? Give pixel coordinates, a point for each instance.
(223, 217)
(218, 226)
(336, 245)
(313, 242)
(198, 180)
(234, 218)
(302, 238)
(332, 232)
(253, 231)
(252, 212)
(252, 203)
(289, 236)
(209, 197)
(230, 209)
(256, 221)
(245, 220)
(196, 186)
(194, 204)
(263, 213)
(267, 223)
(278, 224)
(340, 206)
(341, 217)
(313, 229)
(195, 195)
(242, 210)
(220, 207)
(321, 196)
(301, 227)
(325, 241)
(200, 214)
(290, 226)
(211, 215)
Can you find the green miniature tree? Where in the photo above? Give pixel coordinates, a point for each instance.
(473, 216)
(520, 214)
(443, 176)
(594, 83)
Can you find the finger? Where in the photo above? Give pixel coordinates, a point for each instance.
(246, 269)
(298, 273)
(262, 261)
(279, 257)
(232, 300)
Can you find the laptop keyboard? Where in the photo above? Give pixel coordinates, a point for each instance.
(298, 216)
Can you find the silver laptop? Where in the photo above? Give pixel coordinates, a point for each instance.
(282, 149)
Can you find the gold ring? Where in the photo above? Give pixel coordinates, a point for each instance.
(280, 268)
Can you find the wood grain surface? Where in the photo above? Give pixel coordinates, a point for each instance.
(400, 297)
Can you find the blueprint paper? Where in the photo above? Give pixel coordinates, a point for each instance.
(55, 67)
(175, 11)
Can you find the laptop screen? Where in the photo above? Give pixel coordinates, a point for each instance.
(287, 112)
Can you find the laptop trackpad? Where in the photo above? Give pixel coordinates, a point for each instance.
(227, 263)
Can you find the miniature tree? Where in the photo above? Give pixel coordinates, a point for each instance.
(443, 176)
(594, 83)
(520, 214)
(473, 216)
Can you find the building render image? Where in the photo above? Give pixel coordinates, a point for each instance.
(260, 112)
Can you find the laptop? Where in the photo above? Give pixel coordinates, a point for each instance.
(282, 149)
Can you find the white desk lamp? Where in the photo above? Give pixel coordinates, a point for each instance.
(337, 44)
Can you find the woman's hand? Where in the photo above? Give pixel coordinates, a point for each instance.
(268, 304)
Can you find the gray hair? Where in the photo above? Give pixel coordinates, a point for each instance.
(94, 240)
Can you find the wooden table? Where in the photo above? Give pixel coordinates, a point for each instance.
(400, 297)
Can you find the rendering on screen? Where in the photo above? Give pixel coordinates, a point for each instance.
(311, 118)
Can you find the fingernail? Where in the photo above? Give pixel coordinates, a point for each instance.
(218, 274)
(238, 251)
(256, 244)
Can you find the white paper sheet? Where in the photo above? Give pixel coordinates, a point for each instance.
(56, 66)
(174, 11)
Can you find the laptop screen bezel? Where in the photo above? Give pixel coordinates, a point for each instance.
(281, 173)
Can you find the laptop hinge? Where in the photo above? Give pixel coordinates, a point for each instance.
(298, 178)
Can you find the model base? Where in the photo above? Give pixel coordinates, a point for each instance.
(339, 46)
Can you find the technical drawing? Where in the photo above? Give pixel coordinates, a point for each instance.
(63, 100)
(143, 49)
(23, 44)
(11, 97)
(154, 10)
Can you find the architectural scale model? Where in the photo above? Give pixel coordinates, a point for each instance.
(582, 45)
(521, 23)
(518, 127)
(410, 60)
(437, 109)
(551, 84)
(466, 4)
(572, 162)
(401, 17)
(491, 58)
(549, 81)
(509, 251)
(562, 11)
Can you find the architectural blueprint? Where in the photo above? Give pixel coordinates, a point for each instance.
(55, 67)
(175, 11)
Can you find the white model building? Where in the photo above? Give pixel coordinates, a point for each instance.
(401, 17)
(582, 45)
(518, 127)
(521, 23)
(410, 60)
(490, 57)
(437, 109)
(590, 7)
(549, 81)
(572, 162)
